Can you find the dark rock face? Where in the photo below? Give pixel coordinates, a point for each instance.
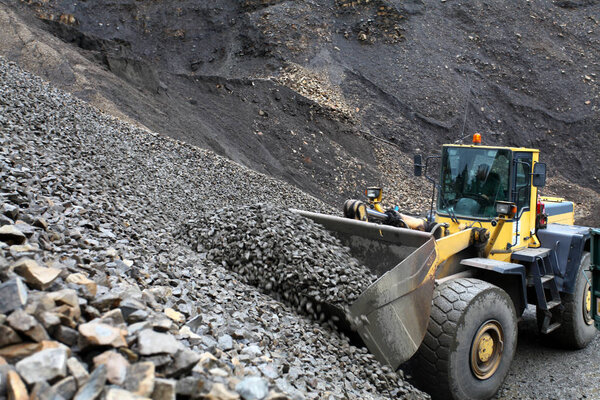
(304, 85)
(110, 274)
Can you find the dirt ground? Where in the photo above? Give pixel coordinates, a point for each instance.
(541, 371)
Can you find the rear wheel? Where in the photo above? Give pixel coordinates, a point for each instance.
(470, 341)
(577, 329)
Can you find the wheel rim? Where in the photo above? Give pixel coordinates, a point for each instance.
(486, 349)
(587, 304)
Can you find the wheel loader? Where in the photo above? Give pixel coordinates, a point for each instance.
(452, 286)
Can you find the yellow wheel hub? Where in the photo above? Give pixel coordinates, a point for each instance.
(587, 305)
(588, 301)
(486, 350)
(486, 347)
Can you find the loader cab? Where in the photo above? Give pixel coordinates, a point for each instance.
(474, 178)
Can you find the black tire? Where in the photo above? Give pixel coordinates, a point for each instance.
(576, 330)
(443, 364)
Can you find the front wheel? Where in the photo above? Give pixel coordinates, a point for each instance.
(470, 341)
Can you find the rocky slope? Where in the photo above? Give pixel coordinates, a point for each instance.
(99, 298)
(303, 90)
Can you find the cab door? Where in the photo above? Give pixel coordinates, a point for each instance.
(521, 196)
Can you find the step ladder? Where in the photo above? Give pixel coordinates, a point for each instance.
(542, 269)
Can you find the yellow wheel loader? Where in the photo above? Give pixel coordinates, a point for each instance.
(452, 286)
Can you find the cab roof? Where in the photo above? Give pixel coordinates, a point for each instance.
(522, 149)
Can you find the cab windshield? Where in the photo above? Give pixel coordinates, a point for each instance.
(472, 180)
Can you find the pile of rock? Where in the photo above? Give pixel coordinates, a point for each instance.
(283, 254)
(100, 300)
(63, 336)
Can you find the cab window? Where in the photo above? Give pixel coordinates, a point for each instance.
(522, 181)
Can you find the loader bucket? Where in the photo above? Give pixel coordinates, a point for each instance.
(391, 315)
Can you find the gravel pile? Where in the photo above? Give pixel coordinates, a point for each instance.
(98, 297)
(285, 255)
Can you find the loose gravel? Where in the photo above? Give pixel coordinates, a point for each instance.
(97, 288)
(285, 255)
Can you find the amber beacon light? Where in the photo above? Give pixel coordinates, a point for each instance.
(477, 138)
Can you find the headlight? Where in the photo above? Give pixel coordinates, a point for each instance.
(506, 208)
(502, 208)
(373, 193)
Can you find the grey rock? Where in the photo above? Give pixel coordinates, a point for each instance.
(4, 220)
(94, 385)
(43, 391)
(13, 295)
(252, 350)
(164, 389)
(253, 388)
(8, 336)
(136, 327)
(137, 316)
(113, 318)
(284, 386)
(45, 365)
(120, 394)
(21, 321)
(209, 342)
(37, 333)
(10, 235)
(189, 386)
(25, 228)
(3, 372)
(161, 324)
(151, 342)
(66, 387)
(106, 302)
(129, 306)
(48, 320)
(225, 342)
(10, 211)
(140, 378)
(269, 371)
(159, 360)
(195, 323)
(116, 366)
(184, 360)
(77, 370)
(66, 335)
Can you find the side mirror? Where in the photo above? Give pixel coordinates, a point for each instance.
(539, 175)
(418, 165)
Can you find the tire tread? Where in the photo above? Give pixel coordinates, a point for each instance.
(431, 361)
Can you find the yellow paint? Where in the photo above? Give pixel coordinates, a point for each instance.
(450, 245)
(547, 199)
(566, 219)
